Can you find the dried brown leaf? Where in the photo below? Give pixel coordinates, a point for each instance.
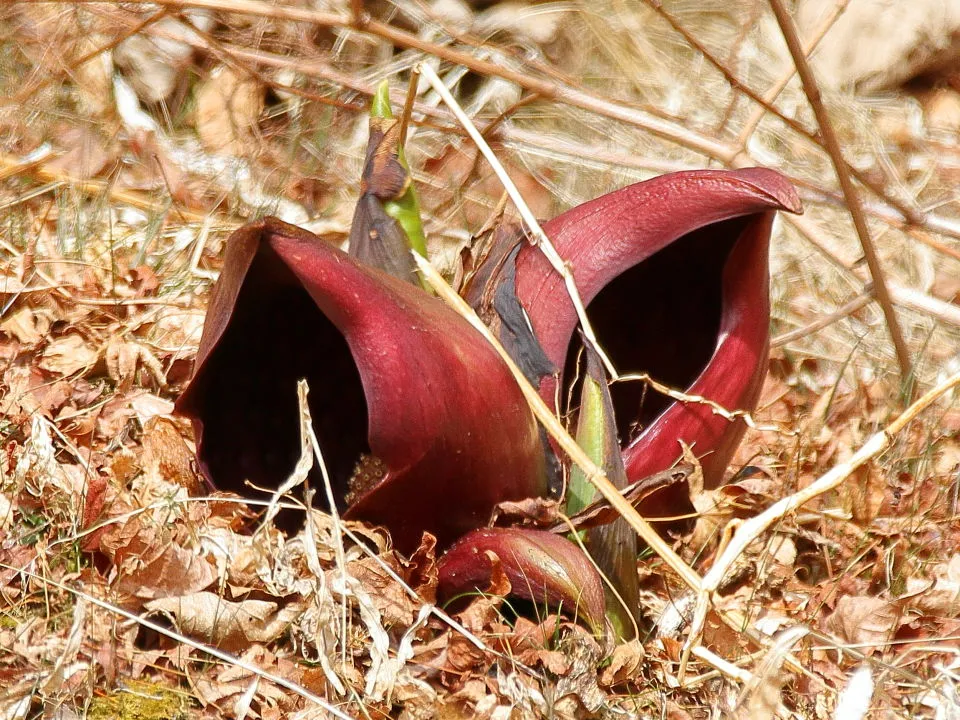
(870, 622)
(228, 109)
(625, 664)
(124, 357)
(224, 623)
(25, 325)
(396, 607)
(939, 596)
(166, 456)
(68, 355)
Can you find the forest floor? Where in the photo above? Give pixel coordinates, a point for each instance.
(135, 137)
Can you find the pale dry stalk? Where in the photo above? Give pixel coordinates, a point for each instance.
(751, 529)
(555, 429)
(594, 474)
(540, 238)
(850, 195)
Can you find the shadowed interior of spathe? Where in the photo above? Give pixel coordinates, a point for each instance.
(660, 317)
(248, 399)
(420, 424)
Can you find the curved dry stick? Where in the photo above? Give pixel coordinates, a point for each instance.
(540, 238)
(852, 198)
(750, 530)
(715, 407)
(595, 474)
(770, 96)
(857, 303)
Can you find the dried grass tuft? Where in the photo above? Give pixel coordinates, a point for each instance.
(135, 136)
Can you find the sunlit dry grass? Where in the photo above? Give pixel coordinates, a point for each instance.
(115, 205)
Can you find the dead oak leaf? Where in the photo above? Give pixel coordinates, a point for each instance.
(396, 607)
(626, 664)
(229, 687)
(150, 560)
(583, 654)
(939, 596)
(124, 357)
(68, 355)
(26, 326)
(224, 623)
(228, 109)
(167, 457)
(869, 622)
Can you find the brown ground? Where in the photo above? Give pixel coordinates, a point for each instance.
(123, 169)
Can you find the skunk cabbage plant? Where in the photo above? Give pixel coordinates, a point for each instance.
(674, 275)
(422, 426)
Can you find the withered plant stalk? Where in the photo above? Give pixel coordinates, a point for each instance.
(751, 529)
(850, 195)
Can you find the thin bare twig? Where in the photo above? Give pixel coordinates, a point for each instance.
(847, 309)
(852, 198)
(555, 429)
(358, 14)
(921, 302)
(560, 90)
(684, 397)
(41, 171)
(773, 92)
(663, 127)
(753, 528)
(910, 212)
(539, 236)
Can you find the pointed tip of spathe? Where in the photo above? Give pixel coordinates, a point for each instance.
(770, 184)
(768, 189)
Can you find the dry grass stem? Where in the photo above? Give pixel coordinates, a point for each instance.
(733, 155)
(778, 86)
(750, 530)
(850, 194)
(595, 475)
(847, 309)
(10, 165)
(683, 397)
(540, 238)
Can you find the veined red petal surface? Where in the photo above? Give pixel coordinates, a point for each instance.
(393, 374)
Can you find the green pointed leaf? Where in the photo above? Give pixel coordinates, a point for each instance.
(590, 437)
(614, 545)
(405, 209)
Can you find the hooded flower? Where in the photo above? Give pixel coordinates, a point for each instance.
(541, 567)
(673, 272)
(421, 424)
